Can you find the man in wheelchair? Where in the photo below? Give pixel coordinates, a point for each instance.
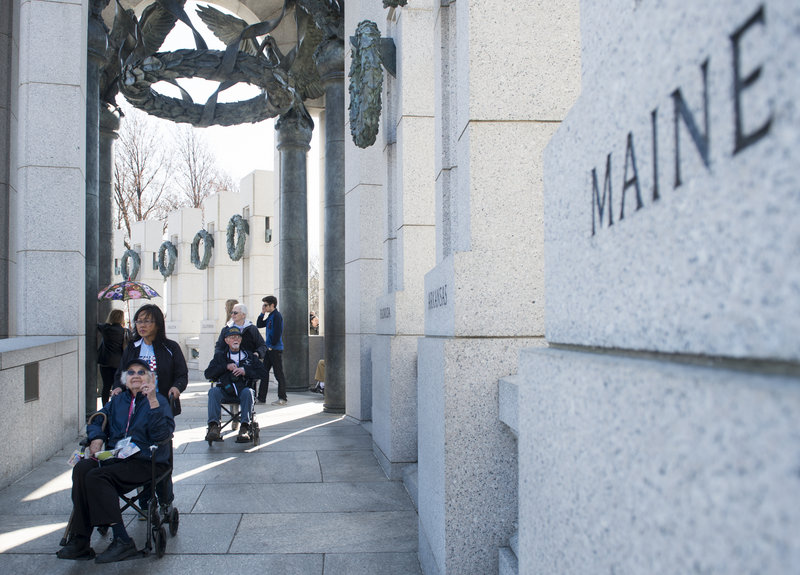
(134, 419)
(232, 370)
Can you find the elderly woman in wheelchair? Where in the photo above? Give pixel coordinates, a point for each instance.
(129, 425)
(233, 372)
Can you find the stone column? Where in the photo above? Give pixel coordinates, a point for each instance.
(294, 135)
(97, 44)
(483, 300)
(109, 126)
(330, 63)
(409, 242)
(6, 14)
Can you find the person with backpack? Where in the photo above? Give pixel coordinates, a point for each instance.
(109, 355)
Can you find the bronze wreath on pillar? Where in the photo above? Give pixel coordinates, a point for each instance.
(366, 83)
(166, 268)
(237, 224)
(137, 262)
(208, 245)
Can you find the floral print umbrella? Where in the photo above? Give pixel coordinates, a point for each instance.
(127, 290)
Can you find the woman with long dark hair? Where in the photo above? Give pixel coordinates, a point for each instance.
(164, 356)
(166, 360)
(110, 353)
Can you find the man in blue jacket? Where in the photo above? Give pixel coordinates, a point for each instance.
(134, 419)
(274, 358)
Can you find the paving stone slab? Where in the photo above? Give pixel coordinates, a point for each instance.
(304, 498)
(22, 500)
(327, 532)
(198, 533)
(31, 533)
(285, 442)
(371, 563)
(260, 467)
(346, 465)
(295, 564)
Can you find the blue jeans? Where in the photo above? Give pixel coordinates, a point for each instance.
(216, 396)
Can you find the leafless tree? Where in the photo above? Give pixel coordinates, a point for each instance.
(160, 167)
(198, 175)
(313, 285)
(141, 168)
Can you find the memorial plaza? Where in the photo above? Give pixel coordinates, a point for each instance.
(310, 498)
(559, 280)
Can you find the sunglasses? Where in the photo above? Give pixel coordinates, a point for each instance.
(137, 371)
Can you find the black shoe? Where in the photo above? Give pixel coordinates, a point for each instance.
(213, 432)
(78, 548)
(117, 551)
(244, 433)
(259, 400)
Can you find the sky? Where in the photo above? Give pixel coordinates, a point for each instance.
(241, 149)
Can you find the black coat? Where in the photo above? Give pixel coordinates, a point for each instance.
(253, 368)
(171, 367)
(251, 341)
(110, 352)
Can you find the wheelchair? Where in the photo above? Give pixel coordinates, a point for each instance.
(232, 416)
(156, 530)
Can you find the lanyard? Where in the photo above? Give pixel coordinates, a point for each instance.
(130, 412)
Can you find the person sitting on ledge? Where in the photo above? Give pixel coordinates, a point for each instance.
(232, 369)
(135, 419)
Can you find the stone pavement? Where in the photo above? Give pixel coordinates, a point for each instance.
(310, 499)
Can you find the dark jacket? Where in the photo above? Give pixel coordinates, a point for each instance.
(171, 369)
(110, 352)
(147, 426)
(274, 324)
(253, 368)
(251, 340)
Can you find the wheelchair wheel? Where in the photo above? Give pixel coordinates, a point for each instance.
(254, 432)
(161, 541)
(155, 518)
(174, 520)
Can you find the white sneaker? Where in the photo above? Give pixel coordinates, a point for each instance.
(280, 402)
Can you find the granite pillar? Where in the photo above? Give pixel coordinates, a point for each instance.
(330, 62)
(294, 135)
(97, 44)
(410, 200)
(662, 437)
(109, 126)
(6, 13)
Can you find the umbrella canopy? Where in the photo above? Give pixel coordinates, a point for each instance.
(127, 290)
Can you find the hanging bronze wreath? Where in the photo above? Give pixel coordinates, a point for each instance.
(366, 83)
(137, 262)
(207, 64)
(238, 228)
(167, 267)
(208, 245)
